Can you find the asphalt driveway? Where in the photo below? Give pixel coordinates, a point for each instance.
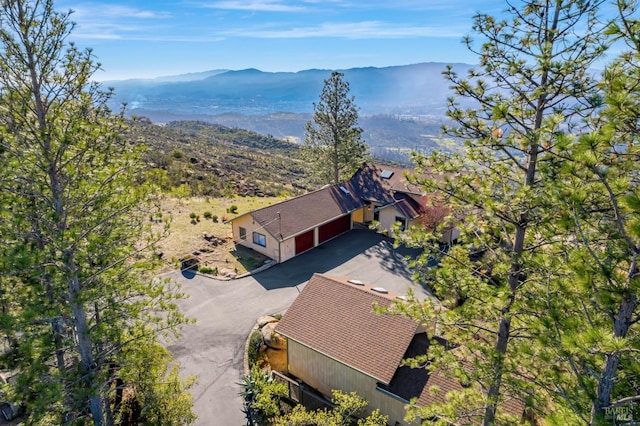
(212, 349)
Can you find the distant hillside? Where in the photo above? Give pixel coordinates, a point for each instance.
(411, 89)
(388, 137)
(401, 108)
(213, 160)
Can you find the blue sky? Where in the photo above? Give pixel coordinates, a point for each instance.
(141, 39)
(145, 39)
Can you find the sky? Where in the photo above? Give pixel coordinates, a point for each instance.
(146, 39)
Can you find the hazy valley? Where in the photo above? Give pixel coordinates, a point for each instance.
(401, 108)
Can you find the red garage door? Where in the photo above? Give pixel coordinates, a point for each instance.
(304, 242)
(333, 229)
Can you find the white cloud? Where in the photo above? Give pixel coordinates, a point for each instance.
(254, 6)
(352, 30)
(99, 21)
(98, 12)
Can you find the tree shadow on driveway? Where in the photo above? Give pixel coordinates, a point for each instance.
(393, 259)
(371, 246)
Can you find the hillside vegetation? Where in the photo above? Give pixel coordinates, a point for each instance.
(195, 158)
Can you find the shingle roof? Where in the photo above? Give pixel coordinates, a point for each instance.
(406, 205)
(292, 217)
(372, 187)
(511, 406)
(336, 319)
(409, 383)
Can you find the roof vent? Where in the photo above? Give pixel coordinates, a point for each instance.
(380, 290)
(343, 189)
(356, 282)
(386, 174)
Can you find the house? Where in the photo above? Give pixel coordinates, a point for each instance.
(336, 341)
(390, 198)
(291, 227)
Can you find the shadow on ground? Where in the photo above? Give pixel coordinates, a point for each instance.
(393, 259)
(188, 273)
(249, 259)
(375, 248)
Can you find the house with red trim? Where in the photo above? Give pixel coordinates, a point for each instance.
(374, 193)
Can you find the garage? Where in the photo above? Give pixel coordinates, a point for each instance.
(304, 242)
(334, 228)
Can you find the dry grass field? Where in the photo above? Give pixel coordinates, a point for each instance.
(197, 229)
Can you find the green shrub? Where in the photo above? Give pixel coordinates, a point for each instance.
(207, 270)
(233, 209)
(215, 218)
(207, 215)
(253, 351)
(262, 395)
(192, 215)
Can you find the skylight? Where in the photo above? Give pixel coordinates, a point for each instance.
(343, 189)
(386, 174)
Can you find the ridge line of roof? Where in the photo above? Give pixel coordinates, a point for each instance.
(302, 195)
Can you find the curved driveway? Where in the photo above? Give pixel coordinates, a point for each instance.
(212, 348)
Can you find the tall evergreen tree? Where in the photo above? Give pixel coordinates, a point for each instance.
(333, 145)
(533, 84)
(594, 338)
(77, 305)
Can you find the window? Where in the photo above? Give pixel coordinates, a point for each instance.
(243, 233)
(259, 239)
(403, 222)
(386, 174)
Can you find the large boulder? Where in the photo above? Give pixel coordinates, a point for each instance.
(271, 338)
(262, 321)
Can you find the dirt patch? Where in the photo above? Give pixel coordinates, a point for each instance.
(227, 259)
(197, 229)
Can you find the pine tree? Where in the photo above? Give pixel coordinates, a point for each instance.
(333, 145)
(77, 303)
(534, 84)
(595, 341)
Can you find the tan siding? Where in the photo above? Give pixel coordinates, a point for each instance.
(388, 218)
(324, 374)
(368, 213)
(244, 222)
(288, 249)
(251, 226)
(450, 235)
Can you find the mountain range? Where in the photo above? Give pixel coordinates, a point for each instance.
(402, 108)
(418, 89)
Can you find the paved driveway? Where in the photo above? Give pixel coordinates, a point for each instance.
(212, 349)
